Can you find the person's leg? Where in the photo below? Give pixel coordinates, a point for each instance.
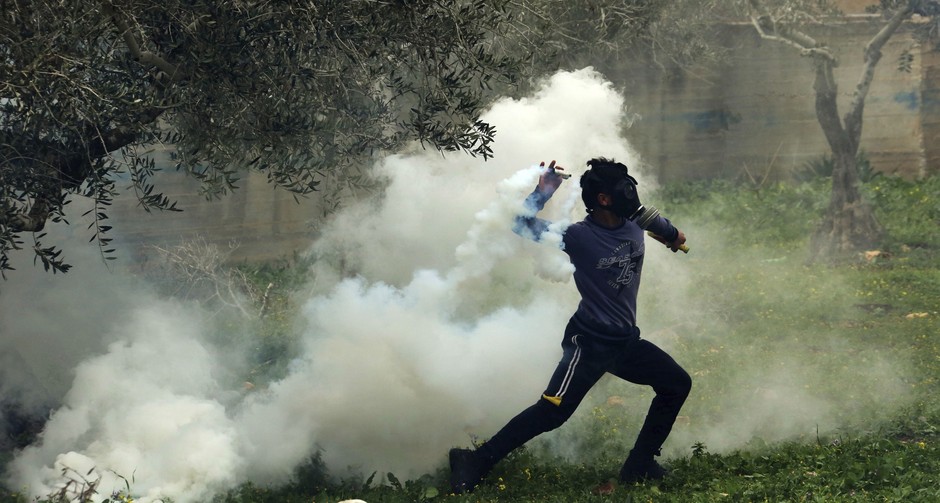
(573, 378)
(645, 363)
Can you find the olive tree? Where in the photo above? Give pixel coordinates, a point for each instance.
(301, 91)
(849, 225)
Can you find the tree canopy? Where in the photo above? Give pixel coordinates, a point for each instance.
(298, 90)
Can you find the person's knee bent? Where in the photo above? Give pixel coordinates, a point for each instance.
(679, 385)
(682, 385)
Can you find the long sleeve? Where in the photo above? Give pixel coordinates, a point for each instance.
(527, 224)
(661, 226)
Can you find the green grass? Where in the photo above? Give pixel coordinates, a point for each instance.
(868, 323)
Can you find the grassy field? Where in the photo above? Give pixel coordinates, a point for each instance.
(854, 348)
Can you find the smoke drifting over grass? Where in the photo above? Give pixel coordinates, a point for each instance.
(428, 324)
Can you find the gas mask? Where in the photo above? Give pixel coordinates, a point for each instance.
(626, 203)
(625, 200)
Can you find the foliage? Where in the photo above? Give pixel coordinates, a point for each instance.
(276, 343)
(554, 34)
(910, 210)
(301, 91)
(824, 166)
(776, 215)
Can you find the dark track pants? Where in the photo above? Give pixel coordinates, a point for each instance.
(584, 362)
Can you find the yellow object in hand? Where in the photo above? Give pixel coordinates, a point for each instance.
(683, 247)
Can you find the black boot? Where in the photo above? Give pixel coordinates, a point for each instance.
(467, 469)
(640, 466)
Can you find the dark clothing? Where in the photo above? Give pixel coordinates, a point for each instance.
(607, 266)
(585, 360)
(607, 262)
(601, 336)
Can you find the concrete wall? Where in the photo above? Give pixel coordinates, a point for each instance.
(930, 110)
(755, 115)
(257, 222)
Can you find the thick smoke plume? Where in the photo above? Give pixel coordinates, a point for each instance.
(427, 325)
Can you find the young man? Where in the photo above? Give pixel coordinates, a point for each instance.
(607, 250)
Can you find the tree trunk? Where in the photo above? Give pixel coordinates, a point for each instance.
(849, 225)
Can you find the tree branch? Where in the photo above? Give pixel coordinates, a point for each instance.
(827, 108)
(769, 29)
(172, 71)
(853, 117)
(69, 169)
(32, 221)
(125, 134)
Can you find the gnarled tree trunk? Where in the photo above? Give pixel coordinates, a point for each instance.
(849, 224)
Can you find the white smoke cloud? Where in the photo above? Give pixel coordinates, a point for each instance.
(51, 323)
(428, 324)
(425, 306)
(445, 304)
(149, 408)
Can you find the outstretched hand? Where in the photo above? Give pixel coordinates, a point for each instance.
(551, 179)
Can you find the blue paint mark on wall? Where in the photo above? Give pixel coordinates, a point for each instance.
(909, 99)
(712, 121)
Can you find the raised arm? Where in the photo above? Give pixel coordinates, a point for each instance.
(527, 224)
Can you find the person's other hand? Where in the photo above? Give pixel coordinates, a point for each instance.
(680, 240)
(551, 179)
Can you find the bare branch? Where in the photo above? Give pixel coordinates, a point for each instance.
(769, 29)
(196, 270)
(853, 117)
